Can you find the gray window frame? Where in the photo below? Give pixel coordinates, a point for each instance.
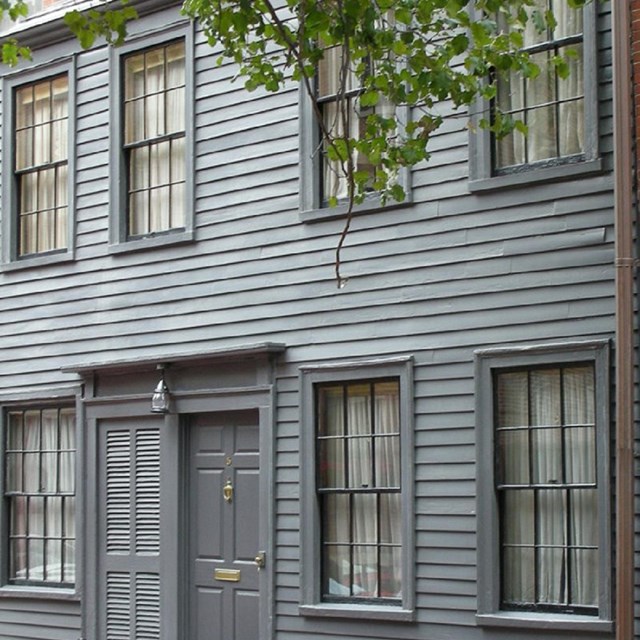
(11, 260)
(481, 169)
(487, 362)
(312, 209)
(311, 603)
(56, 397)
(156, 33)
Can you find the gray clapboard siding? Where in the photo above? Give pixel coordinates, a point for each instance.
(436, 279)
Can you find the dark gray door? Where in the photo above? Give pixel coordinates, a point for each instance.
(224, 526)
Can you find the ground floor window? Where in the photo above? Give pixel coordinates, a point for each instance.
(39, 492)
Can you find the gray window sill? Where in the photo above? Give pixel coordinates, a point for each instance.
(152, 242)
(40, 593)
(539, 175)
(524, 620)
(357, 611)
(38, 261)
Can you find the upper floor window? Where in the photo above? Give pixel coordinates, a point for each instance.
(323, 178)
(154, 139)
(561, 114)
(551, 107)
(41, 165)
(39, 493)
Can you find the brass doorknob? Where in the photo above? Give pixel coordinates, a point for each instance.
(260, 560)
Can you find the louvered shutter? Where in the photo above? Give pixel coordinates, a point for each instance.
(130, 544)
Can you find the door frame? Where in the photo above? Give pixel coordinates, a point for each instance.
(190, 394)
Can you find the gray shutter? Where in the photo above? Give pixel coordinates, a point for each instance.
(130, 548)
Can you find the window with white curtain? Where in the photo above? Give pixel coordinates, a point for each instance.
(359, 490)
(154, 139)
(552, 108)
(41, 165)
(357, 482)
(543, 487)
(547, 488)
(337, 97)
(39, 492)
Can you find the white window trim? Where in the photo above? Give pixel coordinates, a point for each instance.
(312, 209)
(488, 361)
(481, 170)
(11, 260)
(152, 36)
(311, 603)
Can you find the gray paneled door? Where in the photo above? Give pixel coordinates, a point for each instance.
(224, 526)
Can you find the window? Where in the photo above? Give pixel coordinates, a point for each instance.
(560, 113)
(548, 484)
(328, 86)
(322, 178)
(552, 108)
(39, 493)
(41, 165)
(360, 493)
(359, 489)
(154, 139)
(152, 133)
(37, 181)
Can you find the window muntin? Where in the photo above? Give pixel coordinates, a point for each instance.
(547, 488)
(552, 108)
(359, 490)
(155, 139)
(39, 494)
(41, 165)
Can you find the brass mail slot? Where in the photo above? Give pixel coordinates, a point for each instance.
(228, 575)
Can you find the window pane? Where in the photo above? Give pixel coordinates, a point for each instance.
(336, 569)
(53, 566)
(583, 517)
(551, 517)
(359, 409)
(387, 410)
(580, 454)
(519, 518)
(365, 571)
(513, 457)
(551, 569)
(36, 560)
(336, 518)
(177, 205)
(18, 558)
(547, 456)
(387, 466)
(54, 517)
(545, 397)
(18, 516)
(14, 472)
(390, 572)
(364, 518)
(359, 461)
(513, 406)
(330, 411)
(331, 463)
(159, 209)
(584, 577)
(390, 505)
(518, 575)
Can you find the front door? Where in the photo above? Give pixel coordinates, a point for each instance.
(223, 526)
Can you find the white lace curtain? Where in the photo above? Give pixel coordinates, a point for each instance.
(363, 529)
(549, 534)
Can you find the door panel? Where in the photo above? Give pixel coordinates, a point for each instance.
(224, 526)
